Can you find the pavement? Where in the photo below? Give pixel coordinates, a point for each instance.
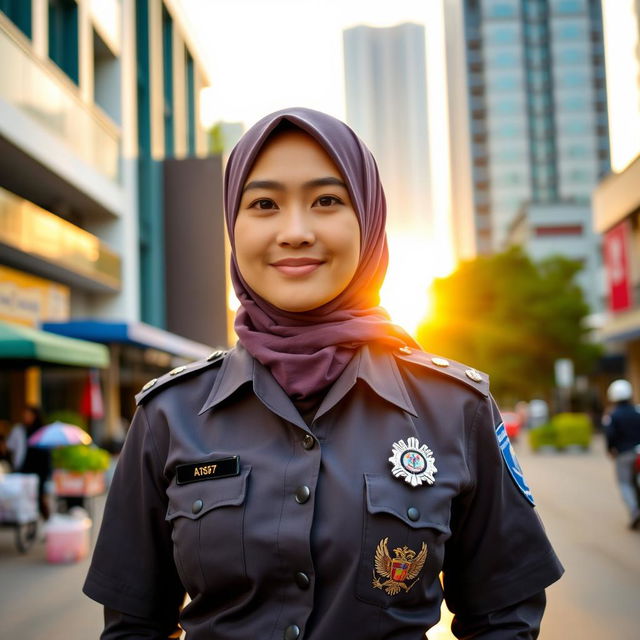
(577, 499)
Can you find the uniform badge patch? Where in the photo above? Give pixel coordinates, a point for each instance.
(413, 462)
(406, 566)
(511, 461)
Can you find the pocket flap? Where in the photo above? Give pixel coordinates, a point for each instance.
(184, 500)
(386, 495)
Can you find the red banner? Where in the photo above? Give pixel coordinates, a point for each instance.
(616, 260)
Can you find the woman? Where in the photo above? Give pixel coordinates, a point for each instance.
(316, 480)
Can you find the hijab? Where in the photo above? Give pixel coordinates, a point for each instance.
(307, 351)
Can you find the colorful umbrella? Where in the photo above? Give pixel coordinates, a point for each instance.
(59, 434)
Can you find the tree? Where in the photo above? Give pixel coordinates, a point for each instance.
(511, 317)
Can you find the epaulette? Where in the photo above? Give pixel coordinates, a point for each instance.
(469, 376)
(179, 372)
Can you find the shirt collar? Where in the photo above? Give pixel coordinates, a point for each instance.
(374, 365)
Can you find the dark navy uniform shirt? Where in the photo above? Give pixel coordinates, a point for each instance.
(279, 529)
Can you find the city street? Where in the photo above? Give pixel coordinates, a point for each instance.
(577, 499)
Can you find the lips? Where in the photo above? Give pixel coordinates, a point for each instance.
(297, 266)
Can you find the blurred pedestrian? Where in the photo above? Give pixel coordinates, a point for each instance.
(28, 459)
(622, 431)
(316, 480)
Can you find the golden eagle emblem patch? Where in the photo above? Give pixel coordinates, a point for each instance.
(399, 570)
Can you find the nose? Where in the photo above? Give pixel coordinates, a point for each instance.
(296, 229)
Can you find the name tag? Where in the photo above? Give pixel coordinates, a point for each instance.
(209, 470)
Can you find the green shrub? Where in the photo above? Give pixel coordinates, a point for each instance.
(80, 457)
(542, 436)
(564, 430)
(572, 429)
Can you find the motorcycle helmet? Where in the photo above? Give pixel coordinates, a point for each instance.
(619, 390)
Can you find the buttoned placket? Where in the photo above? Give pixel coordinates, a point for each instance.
(294, 532)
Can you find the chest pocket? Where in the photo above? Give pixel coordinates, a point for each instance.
(208, 533)
(403, 536)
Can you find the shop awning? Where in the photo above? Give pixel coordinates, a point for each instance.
(23, 344)
(135, 333)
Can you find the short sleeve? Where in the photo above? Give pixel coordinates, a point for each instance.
(132, 569)
(499, 553)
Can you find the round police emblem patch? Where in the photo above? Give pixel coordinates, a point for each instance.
(413, 462)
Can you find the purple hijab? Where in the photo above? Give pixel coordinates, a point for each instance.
(307, 351)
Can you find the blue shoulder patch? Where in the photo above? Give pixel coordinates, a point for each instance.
(511, 461)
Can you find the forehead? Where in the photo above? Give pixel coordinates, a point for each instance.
(293, 152)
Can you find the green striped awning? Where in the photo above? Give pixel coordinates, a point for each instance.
(24, 344)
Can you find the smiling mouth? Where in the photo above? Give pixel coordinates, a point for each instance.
(297, 266)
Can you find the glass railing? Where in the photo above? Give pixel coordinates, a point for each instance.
(37, 232)
(40, 92)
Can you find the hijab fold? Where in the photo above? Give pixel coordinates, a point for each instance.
(307, 351)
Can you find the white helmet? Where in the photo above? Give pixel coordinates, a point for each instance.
(619, 390)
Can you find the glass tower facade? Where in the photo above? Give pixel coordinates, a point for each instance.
(537, 103)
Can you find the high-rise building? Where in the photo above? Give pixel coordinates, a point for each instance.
(386, 95)
(536, 107)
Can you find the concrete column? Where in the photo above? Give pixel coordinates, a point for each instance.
(112, 409)
(179, 94)
(40, 27)
(85, 51)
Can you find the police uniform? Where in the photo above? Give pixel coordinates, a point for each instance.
(340, 528)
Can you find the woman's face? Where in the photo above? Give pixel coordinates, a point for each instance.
(297, 237)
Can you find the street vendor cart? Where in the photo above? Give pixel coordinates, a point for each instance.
(19, 507)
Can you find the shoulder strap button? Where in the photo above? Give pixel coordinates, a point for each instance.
(472, 374)
(177, 370)
(405, 349)
(440, 362)
(149, 384)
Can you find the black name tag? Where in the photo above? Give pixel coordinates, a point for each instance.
(209, 470)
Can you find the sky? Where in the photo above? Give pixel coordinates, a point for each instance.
(264, 55)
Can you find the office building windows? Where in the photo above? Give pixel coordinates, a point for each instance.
(19, 12)
(191, 104)
(63, 36)
(167, 68)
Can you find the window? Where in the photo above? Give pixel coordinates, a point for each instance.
(501, 10)
(63, 36)
(563, 7)
(106, 85)
(504, 59)
(570, 56)
(505, 82)
(167, 66)
(502, 35)
(19, 12)
(191, 104)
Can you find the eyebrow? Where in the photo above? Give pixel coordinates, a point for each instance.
(279, 186)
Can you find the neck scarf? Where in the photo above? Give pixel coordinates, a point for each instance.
(307, 351)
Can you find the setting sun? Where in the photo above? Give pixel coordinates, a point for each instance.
(413, 264)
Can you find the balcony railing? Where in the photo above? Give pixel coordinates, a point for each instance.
(41, 92)
(41, 234)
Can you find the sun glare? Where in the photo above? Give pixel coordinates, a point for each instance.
(413, 264)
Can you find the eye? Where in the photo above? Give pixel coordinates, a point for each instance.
(328, 201)
(264, 204)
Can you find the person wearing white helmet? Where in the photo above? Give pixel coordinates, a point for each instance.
(622, 430)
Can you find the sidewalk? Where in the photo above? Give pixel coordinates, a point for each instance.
(42, 601)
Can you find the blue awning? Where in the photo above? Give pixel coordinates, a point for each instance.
(134, 333)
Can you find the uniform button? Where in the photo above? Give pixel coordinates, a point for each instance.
(302, 494)
(308, 441)
(292, 632)
(196, 507)
(302, 580)
(413, 514)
